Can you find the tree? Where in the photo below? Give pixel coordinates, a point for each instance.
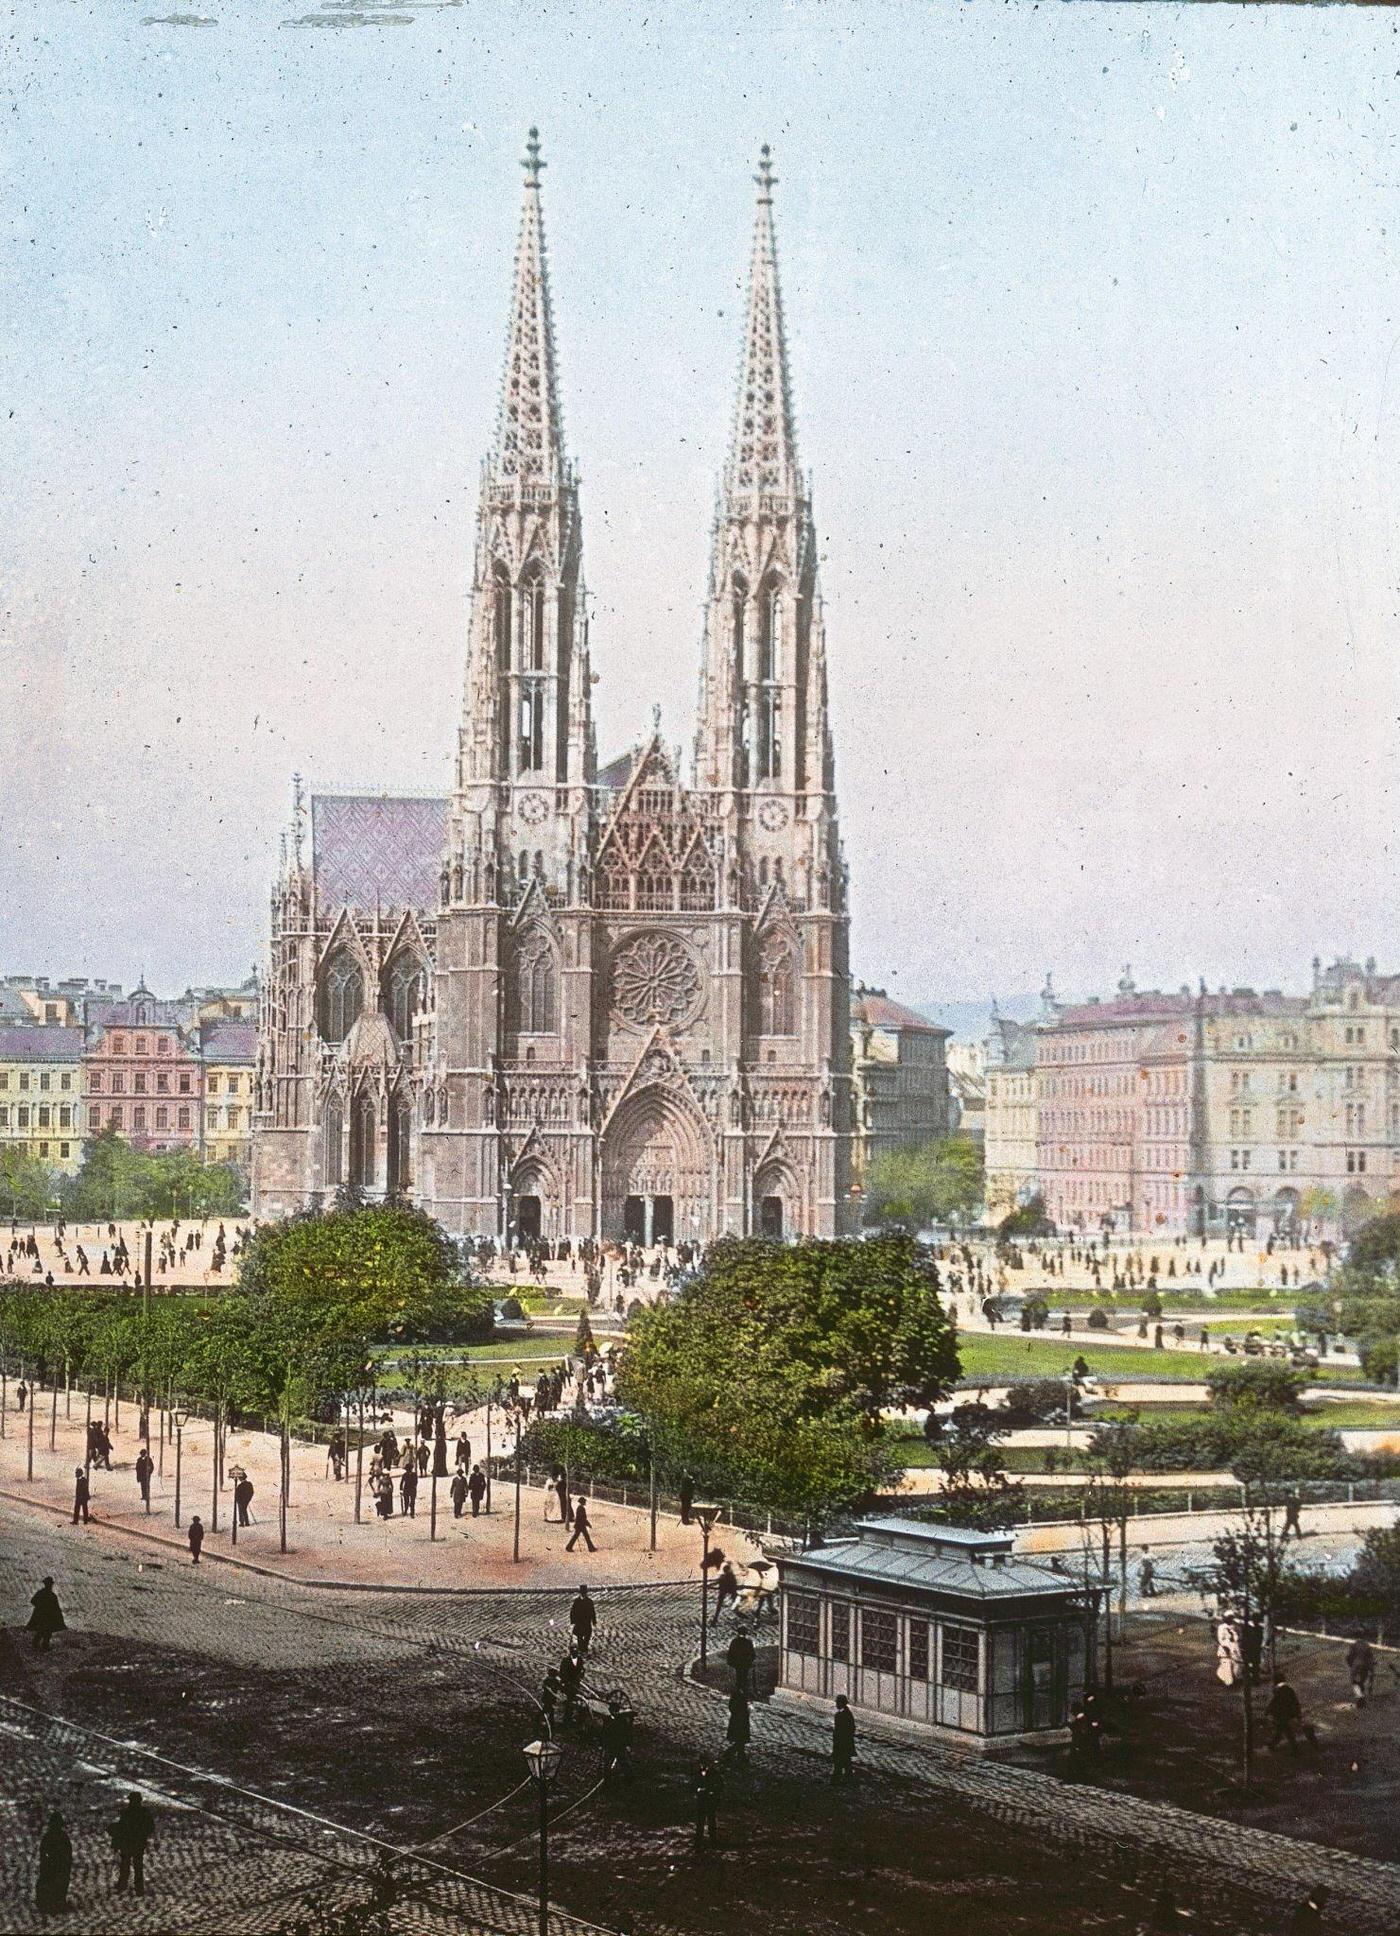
(936, 1183)
(27, 1186)
(771, 1370)
(976, 1490)
(1028, 1219)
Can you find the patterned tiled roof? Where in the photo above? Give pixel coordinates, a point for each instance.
(31, 1044)
(231, 1042)
(377, 850)
(145, 1013)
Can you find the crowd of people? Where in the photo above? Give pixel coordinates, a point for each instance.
(174, 1245)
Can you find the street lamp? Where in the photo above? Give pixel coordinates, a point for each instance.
(521, 1413)
(706, 1516)
(177, 1419)
(542, 1758)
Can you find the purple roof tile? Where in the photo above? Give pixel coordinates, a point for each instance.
(49, 1044)
(375, 850)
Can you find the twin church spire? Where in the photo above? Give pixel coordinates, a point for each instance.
(527, 725)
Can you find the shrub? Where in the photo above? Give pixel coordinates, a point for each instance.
(1098, 1319)
(512, 1309)
(1035, 1401)
(1263, 1385)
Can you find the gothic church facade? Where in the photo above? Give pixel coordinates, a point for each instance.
(569, 1001)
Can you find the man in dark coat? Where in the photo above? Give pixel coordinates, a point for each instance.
(196, 1538)
(476, 1486)
(1286, 1713)
(82, 1494)
(47, 1618)
(408, 1491)
(581, 1529)
(130, 1834)
(843, 1742)
(583, 1618)
(741, 1658)
(145, 1466)
(457, 1492)
(687, 1497)
(737, 1733)
(55, 1867)
(243, 1499)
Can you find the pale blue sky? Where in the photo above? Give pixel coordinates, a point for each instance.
(1093, 313)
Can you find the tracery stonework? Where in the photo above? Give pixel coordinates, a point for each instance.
(572, 1000)
(654, 979)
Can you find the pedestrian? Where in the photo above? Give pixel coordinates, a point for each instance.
(561, 1493)
(408, 1490)
(741, 1658)
(243, 1498)
(687, 1497)
(726, 1589)
(616, 1737)
(571, 1680)
(1306, 1919)
(551, 1693)
(464, 1453)
(55, 1867)
(476, 1486)
(457, 1492)
(1361, 1665)
(335, 1452)
(706, 1800)
(82, 1494)
(21, 1393)
(1290, 1517)
(47, 1617)
(581, 1529)
(424, 1454)
(736, 1734)
(196, 1538)
(1147, 1576)
(843, 1742)
(583, 1618)
(145, 1466)
(1285, 1711)
(130, 1834)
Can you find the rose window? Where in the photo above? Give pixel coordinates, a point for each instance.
(654, 979)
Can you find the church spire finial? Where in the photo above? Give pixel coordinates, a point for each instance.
(763, 450)
(530, 434)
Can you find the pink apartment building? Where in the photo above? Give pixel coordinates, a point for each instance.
(142, 1074)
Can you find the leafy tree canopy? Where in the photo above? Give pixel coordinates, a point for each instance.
(936, 1183)
(774, 1365)
(116, 1180)
(28, 1188)
(1261, 1385)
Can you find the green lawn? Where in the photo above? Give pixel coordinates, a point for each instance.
(988, 1356)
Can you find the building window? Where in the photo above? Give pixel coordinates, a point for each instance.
(65, 1115)
(115, 1119)
(211, 1119)
(162, 1084)
(961, 1658)
(404, 992)
(65, 1081)
(22, 1118)
(163, 1045)
(119, 1045)
(45, 1080)
(342, 997)
(918, 1649)
(140, 1045)
(840, 1630)
(335, 1141)
(45, 1113)
(94, 1082)
(803, 1623)
(138, 1116)
(777, 975)
(184, 1085)
(879, 1640)
(24, 1079)
(162, 1116)
(138, 1083)
(535, 994)
(4, 1115)
(63, 1149)
(183, 1119)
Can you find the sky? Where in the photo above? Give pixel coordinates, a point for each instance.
(1092, 312)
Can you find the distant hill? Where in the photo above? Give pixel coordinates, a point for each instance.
(970, 1021)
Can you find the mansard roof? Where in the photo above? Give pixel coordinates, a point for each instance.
(377, 849)
(230, 1042)
(873, 1007)
(28, 1042)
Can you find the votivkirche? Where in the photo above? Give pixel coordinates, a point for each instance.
(572, 1000)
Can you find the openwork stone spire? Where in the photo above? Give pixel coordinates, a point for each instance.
(763, 452)
(530, 434)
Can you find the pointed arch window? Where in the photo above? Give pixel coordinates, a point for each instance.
(342, 996)
(777, 987)
(530, 744)
(405, 991)
(769, 698)
(399, 1168)
(535, 990)
(335, 1141)
(362, 1140)
(697, 881)
(656, 890)
(613, 882)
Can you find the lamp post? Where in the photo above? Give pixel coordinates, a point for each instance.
(521, 1413)
(177, 1419)
(542, 1758)
(706, 1515)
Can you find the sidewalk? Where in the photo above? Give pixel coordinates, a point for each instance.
(325, 1546)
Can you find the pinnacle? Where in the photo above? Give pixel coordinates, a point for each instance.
(763, 450)
(530, 433)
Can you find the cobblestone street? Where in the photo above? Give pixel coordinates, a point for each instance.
(365, 1720)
